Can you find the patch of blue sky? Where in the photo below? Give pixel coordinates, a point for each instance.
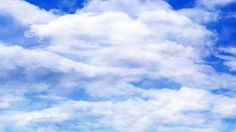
(226, 92)
(226, 37)
(156, 84)
(79, 94)
(70, 6)
(11, 128)
(226, 33)
(176, 4)
(218, 64)
(40, 98)
(67, 6)
(229, 124)
(225, 26)
(39, 75)
(229, 9)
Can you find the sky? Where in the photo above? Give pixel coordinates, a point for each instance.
(118, 65)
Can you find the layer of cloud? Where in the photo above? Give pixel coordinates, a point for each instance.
(159, 108)
(107, 50)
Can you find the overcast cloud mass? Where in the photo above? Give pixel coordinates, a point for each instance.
(118, 66)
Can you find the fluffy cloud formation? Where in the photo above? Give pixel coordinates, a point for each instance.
(129, 65)
(152, 40)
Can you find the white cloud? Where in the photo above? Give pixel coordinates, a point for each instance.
(103, 49)
(132, 7)
(150, 41)
(200, 15)
(230, 50)
(110, 42)
(8, 100)
(155, 43)
(230, 59)
(186, 107)
(24, 12)
(13, 57)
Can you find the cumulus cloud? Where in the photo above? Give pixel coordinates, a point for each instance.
(106, 49)
(152, 39)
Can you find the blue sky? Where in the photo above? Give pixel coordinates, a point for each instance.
(63, 5)
(118, 65)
